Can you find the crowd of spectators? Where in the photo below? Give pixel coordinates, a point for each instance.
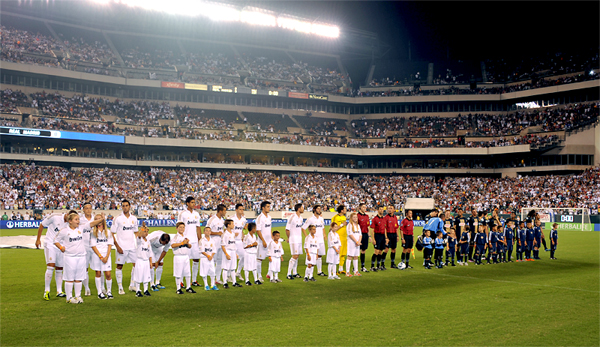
(42, 187)
(11, 100)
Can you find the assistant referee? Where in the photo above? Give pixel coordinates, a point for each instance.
(406, 226)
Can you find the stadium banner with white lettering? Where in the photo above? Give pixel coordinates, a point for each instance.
(318, 97)
(34, 224)
(176, 85)
(296, 95)
(63, 135)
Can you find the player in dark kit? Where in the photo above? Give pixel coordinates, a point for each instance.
(407, 226)
(363, 223)
(460, 226)
(521, 241)
(473, 224)
(509, 238)
(378, 239)
(391, 230)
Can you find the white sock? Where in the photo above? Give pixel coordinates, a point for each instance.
(48, 278)
(188, 280)
(152, 275)
(312, 272)
(341, 267)
(319, 265)
(119, 275)
(98, 281)
(109, 286)
(247, 274)
(145, 286)
(58, 274)
(259, 267)
(195, 266)
(307, 272)
(254, 273)
(137, 286)
(205, 281)
(69, 290)
(331, 270)
(159, 272)
(269, 273)
(348, 265)
(355, 262)
(178, 282)
(295, 266)
(131, 282)
(86, 281)
(291, 266)
(276, 275)
(78, 289)
(212, 281)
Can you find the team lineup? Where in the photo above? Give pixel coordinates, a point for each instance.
(225, 248)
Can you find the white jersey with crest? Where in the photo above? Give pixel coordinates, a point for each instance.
(275, 249)
(238, 227)
(248, 240)
(216, 225)
(102, 241)
(294, 225)
(72, 240)
(180, 250)
(55, 223)
(228, 240)
(207, 246)
(319, 223)
(144, 250)
(87, 230)
(191, 221)
(312, 244)
(263, 223)
(125, 229)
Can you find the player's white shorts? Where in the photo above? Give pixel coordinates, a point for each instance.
(194, 251)
(275, 264)
(98, 265)
(156, 256)
(88, 257)
(74, 268)
(312, 261)
(332, 256)
(142, 272)
(321, 249)
(353, 249)
(250, 262)
(229, 264)
(207, 267)
(296, 248)
(54, 255)
(128, 257)
(262, 251)
(181, 266)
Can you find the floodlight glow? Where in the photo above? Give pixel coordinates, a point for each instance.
(258, 18)
(219, 13)
(294, 24)
(325, 30)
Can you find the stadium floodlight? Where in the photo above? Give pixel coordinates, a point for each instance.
(325, 30)
(252, 16)
(218, 12)
(294, 24)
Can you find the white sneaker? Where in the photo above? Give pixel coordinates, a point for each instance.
(121, 291)
(466, 264)
(261, 279)
(73, 300)
(330, 278)
(239, 277)
(79, 300)
(273, 281)
(337, 277)
(132, 289)
(87, 292)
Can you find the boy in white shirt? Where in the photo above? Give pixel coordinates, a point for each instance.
(275, 252)
(333, 251)
(229, 259)
(207, 262)
(143, 263)
(251, 248)
(181, 259)
(101, 242)
(311, 246)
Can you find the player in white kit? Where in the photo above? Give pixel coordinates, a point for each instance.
(70, 241)
(101, 242)
(160, 243)
(251, 248)
(333, 252)
(275, 253)
(263, 232)
(311, 246)
(229, 249)
(54, 257)
(215, 223)
(319, 224)
(143, 263)
(181, 259)
(87, 217)
(293, 230)
(191, 219)
(239, 224)
(124, 228)
(208, 249)
(354, 242)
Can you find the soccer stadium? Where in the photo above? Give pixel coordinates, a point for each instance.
(352, 173)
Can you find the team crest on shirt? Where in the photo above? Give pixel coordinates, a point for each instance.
(50, 258)
(79, 232)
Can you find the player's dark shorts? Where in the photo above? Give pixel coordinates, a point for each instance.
(408, 242)
(480, 248)
(529, 246)
(493, 247)
(380, 241)
(427, 252)
(553, 246)
(392, 241)
(439, 252)
(464, 248)
(364, 242)
(509, 245)
(501, 248)
(538, 243)
(450, 252)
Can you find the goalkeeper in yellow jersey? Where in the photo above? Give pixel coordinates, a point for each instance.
(340, 219)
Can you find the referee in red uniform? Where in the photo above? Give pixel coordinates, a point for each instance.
(406, 226)
(363, 222)
(379, 239)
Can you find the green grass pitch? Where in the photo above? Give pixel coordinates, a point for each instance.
(531, 304)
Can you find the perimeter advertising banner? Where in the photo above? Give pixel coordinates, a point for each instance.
(176, 85)
(298, 95)
(196, 86)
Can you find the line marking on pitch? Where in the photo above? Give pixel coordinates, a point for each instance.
(504, 281)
